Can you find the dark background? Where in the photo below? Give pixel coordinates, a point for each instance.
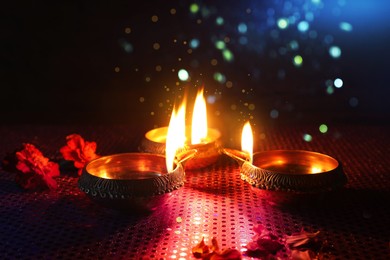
(67, 62)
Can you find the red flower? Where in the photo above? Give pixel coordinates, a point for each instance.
(79, 151)
(35, 170)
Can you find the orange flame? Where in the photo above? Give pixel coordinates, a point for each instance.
(199, 119)
(247, 140)
(175, 136)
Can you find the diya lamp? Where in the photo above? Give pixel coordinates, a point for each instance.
(136, 181)
(286, 170)
(204, 139)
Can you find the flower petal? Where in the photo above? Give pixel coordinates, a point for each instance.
(75, 141)
(200, 249)
(301, 239)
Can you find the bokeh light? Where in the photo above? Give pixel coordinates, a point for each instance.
(353, 102)
(194, 8)
(219, 77)
(219, 20)
(242, 28)
(183, 75)
(335, 52)
(323, 128)
(194, 43)
(294, 45)
(303, 26)
(156, 46)
(228, 55)
(282, 23)
(211, 99)
(127, 47)
(330, 90)
(347, 27)
(271, 45)
(220, 45)
(307, 137)
(274, 113)
(243, 40)
(338, 83)
(298, 60)
(292, 60)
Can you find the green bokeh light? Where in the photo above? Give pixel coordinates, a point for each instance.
(194, 8)
(220, 45)
(307, 137)
(298, 60)
(323, 128)
(219, 77)
(219, 20)
(227, 55)
(330, 90)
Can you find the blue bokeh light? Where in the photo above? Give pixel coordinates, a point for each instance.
(303, 26)
(335, 52)
(194, 43)
(347, 27)
(242, 28)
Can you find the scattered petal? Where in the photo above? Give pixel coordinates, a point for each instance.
(301, 239)
(212, 252)
(263, 244)
(200, 249)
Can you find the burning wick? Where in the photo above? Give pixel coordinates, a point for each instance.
(175, 136)
(199, 120)
(247, 141)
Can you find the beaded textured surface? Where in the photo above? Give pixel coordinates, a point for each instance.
(214, 201)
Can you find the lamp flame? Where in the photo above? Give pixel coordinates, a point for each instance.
(247, 140)
(175, 136)
(199, 119)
